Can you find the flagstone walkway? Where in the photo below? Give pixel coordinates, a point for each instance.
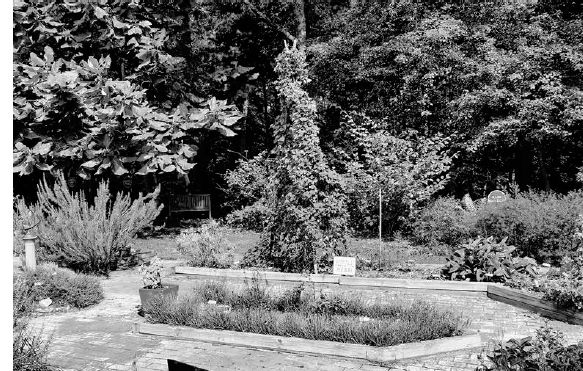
(101, 338)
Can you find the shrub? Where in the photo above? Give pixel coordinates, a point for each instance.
(483, 259)
(206, 246)
(62, 286)
(541, 225)
(409, 171)
(29, 348)
(567, 290)
(252, 217)
(87, 238)
(544, 352)
(444, 222)
(246, 184)
(246, 193)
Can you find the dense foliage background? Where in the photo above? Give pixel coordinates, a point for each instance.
(446, 98)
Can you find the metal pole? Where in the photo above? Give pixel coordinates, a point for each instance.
(380, 224)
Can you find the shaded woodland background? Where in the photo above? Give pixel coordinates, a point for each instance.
(155, 92)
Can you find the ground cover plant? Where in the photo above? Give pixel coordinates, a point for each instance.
(543, 352)
(63, 286)
(301, 313)
(566, 289)
(86, 236)
(29, 347)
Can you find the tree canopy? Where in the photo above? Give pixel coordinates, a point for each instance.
(487, 93)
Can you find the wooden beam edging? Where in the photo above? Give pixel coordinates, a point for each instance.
(414, 284)
(526, 301)
(335, 279)
(318, 347)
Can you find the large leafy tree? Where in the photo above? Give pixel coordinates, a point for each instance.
(98, 89)
(503, 81)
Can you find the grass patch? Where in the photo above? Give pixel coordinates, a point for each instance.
(396, 260)
(62, 286)
(298, 313)
(166, 247)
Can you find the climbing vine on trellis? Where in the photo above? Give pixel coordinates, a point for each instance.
(308, 220)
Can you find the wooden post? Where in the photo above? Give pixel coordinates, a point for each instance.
(30, 243)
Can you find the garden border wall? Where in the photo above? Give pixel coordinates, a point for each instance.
(523, 300)
(321, 347)
(335, 279)
(492, 291)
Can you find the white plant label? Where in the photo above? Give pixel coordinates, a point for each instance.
(344, 265)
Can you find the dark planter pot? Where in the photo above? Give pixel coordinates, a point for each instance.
(168, 290)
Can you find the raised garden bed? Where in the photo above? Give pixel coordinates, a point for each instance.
(303, 314)
(534, 303)
(318, 347)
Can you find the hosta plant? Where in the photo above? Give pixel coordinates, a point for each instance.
(484, 259)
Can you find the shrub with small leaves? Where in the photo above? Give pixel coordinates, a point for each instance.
(567, 290)
(252, 217)
(82, 235)
(63, 286)
(29, 347)
(541, 225)
(206, 246)
(444, 222)
(484, 259)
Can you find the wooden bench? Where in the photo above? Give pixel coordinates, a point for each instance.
(190, 203)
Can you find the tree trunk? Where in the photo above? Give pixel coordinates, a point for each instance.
(300, 14)
(522, 166)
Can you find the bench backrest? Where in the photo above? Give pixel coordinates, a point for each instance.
(196, 202)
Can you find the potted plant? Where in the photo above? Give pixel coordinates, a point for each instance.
(153, 286)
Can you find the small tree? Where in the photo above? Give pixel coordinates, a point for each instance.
(307, 223)
(408, 171)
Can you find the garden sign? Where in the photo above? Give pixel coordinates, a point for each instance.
(497, 196)
(344, 265)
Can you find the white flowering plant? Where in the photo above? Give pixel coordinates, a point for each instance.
(151, 274)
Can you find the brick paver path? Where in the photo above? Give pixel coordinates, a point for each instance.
(101, 338)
